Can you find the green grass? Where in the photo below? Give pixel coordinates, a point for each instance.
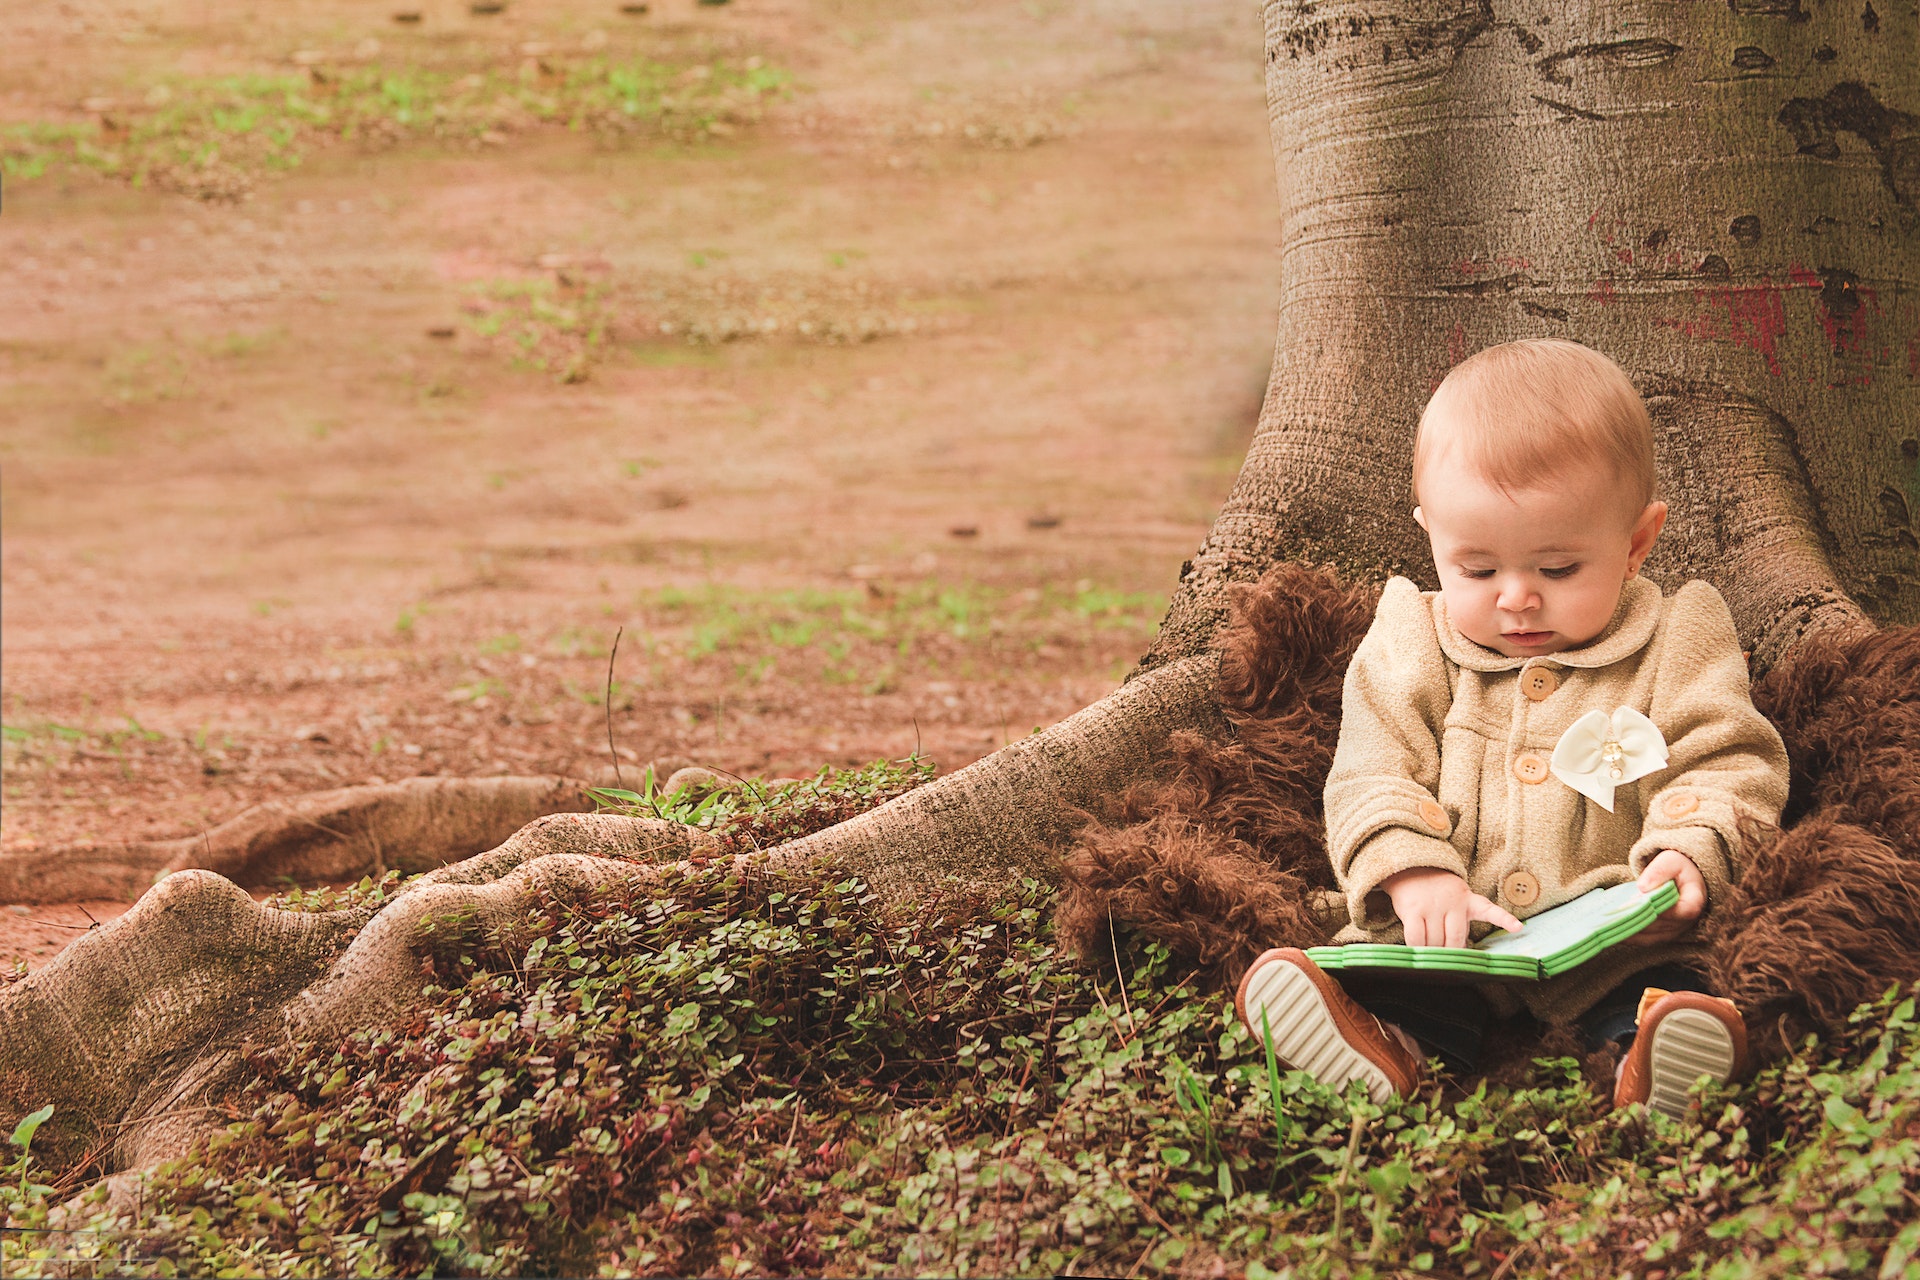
(556, 329)
(39, 736)
(868, 636)
(210, 136)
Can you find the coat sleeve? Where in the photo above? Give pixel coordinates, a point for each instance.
(1725, 761)
(1382, 816)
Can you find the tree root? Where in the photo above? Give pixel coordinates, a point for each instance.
(138, 1030)
(1005, 816)
(407, 826)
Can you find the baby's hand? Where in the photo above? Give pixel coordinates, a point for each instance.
(1670, 864)
(1437, 906)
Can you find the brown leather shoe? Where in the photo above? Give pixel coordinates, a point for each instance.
(1317, 1028)
(1682, 1036)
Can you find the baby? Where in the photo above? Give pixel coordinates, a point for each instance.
(1448, 804)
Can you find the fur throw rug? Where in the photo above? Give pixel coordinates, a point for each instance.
(1224, 855)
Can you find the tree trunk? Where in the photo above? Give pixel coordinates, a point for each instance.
(1721, 197)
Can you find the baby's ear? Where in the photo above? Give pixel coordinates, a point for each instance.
(1420, 518)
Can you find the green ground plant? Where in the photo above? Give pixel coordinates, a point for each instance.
(213, 136)
(872, 634)
(558, 329)
(739, 1071)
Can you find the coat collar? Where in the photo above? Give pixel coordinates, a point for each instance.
(1631, 626)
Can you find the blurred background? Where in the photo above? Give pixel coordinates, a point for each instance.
(365, 368)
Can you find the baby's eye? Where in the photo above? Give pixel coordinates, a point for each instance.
(1476, 574)
(1562, 571)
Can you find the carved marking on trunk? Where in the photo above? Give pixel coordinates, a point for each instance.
(1544, 312)
(1910, 450)
(1788, 9)
(1869, 20)
(1405, 38)
(1751, 57)
(1898, 516)
(1567, 112)
(1632, 55)
(1499, 284)
(1892, 135)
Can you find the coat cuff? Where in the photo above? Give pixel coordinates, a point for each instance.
(1695, 834)
(1387, 853)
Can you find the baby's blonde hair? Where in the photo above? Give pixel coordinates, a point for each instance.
(1523, 412)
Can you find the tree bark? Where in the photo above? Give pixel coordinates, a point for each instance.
(412, 825)
(1720, 197)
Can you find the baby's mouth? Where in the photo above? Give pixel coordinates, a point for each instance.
(1526, 638)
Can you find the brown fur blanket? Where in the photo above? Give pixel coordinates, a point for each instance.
(1224, 855)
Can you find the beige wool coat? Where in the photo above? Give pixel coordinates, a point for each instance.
(1443, 761)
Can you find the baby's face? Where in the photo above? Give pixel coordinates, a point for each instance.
(1538, 571)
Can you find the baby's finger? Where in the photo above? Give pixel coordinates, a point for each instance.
(1417, 931)
(1693, 899)
(1483, 909)
(1456, 930)
(1666, 865)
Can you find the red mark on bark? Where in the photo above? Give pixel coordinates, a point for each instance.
(1514, 264)
(1603, 292)
(1802, 277)
(1624, 255)
(1457, 345)
(1749, 316)
(1610, 230)
(1468, 267)
(1843, 307)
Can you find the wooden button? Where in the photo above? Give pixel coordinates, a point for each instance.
(1529, 768)
(1434, 816)
(1679, 805)
(1521, 889)
(1538, 682)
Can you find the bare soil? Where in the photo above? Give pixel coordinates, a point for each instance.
(281, 514)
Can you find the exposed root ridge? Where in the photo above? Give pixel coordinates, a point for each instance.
(1007, 815)
(408, 826)
(1744, 518)
(136, 1029)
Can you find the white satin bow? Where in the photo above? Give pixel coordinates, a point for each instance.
(1599, 752)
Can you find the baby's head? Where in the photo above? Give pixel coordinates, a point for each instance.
(1534, 478)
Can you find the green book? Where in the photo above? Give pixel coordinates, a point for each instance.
(1553, 942)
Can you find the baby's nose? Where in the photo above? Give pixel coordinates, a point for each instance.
(1516, 598)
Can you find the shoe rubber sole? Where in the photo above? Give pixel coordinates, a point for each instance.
(1304, 1034)
(1687, 1044)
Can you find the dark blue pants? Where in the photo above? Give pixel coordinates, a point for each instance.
(1451, 1021)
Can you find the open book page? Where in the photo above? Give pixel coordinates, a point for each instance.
(1568, 925)
(1552, 942)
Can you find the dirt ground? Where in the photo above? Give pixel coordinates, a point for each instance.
(909, 397)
